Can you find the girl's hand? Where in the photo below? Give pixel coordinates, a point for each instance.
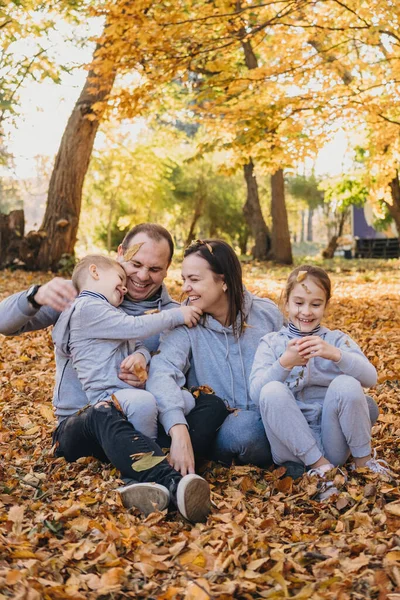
(313, 345)
(292, 357)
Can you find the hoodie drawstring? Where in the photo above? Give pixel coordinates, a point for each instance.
(244, 375)
(230, 369)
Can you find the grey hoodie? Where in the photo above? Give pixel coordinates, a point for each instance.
(213, 355)
(96, 337)
(17, 316)
(310, 382)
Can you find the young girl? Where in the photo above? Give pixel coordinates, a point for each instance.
(307, 381)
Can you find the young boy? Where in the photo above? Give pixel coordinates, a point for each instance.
(97, 337)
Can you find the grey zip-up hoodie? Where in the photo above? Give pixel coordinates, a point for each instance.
(96, 337)
(308, 383)
(214, 356)
(18, 316)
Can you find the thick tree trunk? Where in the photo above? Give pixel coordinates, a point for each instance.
(394, 208)
(254, 217)
(281, 250)
(58, 232)
(11, 235)
(252, 209)
(309, 225)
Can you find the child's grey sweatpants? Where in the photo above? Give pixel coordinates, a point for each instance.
(303, 431)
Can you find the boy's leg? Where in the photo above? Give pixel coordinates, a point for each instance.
(286, 427)
(140, 408)
(204, 421)
(346, 421)
(242, 438)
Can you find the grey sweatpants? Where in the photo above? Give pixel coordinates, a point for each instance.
(335, 426)
(140, 408)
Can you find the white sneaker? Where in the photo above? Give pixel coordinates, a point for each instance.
(326, 488)
(377, 465)
(193, 498)
(146, 497)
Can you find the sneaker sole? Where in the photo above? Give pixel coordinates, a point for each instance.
(193, 498)
(146, 497)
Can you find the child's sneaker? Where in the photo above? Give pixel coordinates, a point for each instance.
(146, 497)
(326, 488)
(377, 465)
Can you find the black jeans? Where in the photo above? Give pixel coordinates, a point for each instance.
(103, 432)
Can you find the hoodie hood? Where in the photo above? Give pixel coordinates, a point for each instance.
(61, 333)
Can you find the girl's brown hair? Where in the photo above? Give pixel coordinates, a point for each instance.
(320, 277)
(223, 261)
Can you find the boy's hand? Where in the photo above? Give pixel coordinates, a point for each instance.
(133, 370)
(57, 293)
(292, 357)
(313, 345)
(192, 315)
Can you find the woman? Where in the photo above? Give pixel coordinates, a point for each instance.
(219, 353)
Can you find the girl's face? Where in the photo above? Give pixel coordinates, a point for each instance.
(306, 305)
(204, 288)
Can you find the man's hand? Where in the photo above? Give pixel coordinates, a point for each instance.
(292, 357)
(192, 315)
(181, 456)
(57, 293)
(132, 370)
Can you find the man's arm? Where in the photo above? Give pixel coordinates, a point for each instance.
(18, 315)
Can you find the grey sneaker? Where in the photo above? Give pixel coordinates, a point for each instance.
(326, 488)
(193, 498)
(146, 497)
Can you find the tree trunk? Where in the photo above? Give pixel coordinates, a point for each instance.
(254, 217)
(252, 209)
(302, 226)
(394, 209)
(243, 239)
(281, 250)
(332, 245)
(58, 232)
(198, 211)
(309, 225)
(11, 235)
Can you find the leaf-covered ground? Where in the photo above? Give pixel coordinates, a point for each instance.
(64, 533)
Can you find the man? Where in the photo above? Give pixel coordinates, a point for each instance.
(101, 431)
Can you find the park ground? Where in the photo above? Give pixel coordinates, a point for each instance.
(64, 533)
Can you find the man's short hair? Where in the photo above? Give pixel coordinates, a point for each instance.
(80, 271)
(153, 231)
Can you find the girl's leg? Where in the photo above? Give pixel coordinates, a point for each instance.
(346, 423)
(140, 408)
(286, 427)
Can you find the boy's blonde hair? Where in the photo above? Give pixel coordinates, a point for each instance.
(80, 271)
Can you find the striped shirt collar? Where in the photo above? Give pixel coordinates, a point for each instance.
(297, 333)
(92, 295)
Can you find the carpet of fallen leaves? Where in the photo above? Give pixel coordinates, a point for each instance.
(65, 534)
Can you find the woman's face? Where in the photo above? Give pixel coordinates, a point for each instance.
(204, 288)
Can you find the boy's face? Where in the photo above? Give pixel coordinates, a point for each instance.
(146, 270)
(112, 284)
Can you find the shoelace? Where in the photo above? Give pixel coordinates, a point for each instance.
(379, 465)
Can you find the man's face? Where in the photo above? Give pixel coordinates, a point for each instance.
(146, 270)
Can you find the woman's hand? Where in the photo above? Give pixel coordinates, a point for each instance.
(313, 345)
(181, 456)
(291, 357)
